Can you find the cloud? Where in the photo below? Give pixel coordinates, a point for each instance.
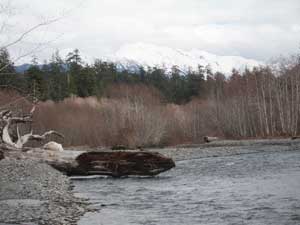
(248, 28)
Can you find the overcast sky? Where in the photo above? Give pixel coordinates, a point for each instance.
(250, 28)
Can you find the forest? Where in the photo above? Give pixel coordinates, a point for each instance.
(100, 104)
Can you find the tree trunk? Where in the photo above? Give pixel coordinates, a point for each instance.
(111, 163)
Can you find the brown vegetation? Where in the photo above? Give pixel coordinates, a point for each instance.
(129, 119)
(130, 116)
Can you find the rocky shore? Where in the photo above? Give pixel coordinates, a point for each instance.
(33, 193)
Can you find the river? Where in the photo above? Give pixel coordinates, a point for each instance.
(257, 189)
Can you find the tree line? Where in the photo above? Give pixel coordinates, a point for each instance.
(61, 78)
(152, 106)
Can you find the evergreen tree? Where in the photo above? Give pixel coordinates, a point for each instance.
(157, 78)
(7, 71)
(6, 66)
(74, 66)
(35, 81)
(86, 85)
(57, 78)
(177, 86)
(195, 83)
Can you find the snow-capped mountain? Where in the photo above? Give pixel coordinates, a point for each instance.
(132, 56)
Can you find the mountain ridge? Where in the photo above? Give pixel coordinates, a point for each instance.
(149, 55)
(133, 56)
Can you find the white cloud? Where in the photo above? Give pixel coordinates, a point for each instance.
(248, 28)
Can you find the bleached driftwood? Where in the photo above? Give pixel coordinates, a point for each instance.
(53, 146)
(6, 117)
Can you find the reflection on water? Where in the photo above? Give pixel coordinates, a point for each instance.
(251, 189)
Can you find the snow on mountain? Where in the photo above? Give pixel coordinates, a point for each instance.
(132, 56)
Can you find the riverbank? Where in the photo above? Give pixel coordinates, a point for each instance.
(222, 148)
(36, 194)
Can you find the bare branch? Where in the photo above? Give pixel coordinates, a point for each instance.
(43, 136)
(23, 35)
(30, 136)
(15, 88)
(5, 133)
(33, 109)
(12, 102)
(4, 113)
(36, 49)
(25, 119)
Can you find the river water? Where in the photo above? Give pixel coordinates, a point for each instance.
(256, 189)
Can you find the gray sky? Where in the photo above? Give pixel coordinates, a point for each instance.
(250, 28)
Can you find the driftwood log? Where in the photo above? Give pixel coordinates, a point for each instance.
(295, 137)
(208, 139)
(9, 120)
(111, 163)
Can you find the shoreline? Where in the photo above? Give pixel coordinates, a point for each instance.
(34, 193)
(223, 148)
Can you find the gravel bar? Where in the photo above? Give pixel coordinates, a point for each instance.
(223, 148)
(33, 193)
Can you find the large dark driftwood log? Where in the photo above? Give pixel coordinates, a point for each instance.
(111, 163)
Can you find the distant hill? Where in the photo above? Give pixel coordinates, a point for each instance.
(22, 68)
